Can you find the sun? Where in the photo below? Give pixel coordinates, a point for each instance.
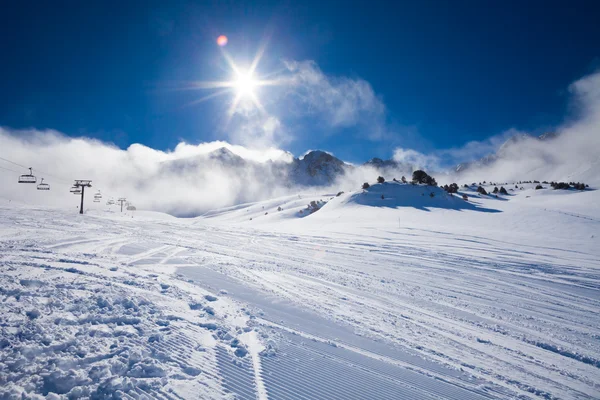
(245, 84)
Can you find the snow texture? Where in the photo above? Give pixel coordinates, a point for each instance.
(388, 293)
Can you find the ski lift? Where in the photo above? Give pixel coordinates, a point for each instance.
(75, 190)
(43, 186)
(131, 208)
(96, 200)
(28, 178)
(110, 202)
(97, 196)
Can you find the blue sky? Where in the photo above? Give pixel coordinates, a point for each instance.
(423, 75)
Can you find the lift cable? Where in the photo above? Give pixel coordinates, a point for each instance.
(40, 171)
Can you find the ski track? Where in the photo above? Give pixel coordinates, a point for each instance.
(411, 316)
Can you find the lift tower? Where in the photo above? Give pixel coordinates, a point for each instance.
(82, 183)
(122, 200)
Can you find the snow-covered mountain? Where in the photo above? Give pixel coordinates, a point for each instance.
(315, 168)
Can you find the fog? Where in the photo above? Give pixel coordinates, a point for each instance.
(139, 173)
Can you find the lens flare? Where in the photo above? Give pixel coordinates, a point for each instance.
(222, 40)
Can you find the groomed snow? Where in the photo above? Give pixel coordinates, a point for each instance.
(406, 296)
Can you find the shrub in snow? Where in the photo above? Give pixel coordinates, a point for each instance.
(382, 197)
(313, 207)
(420, 176)
(279, 208)
(465, 197)
(502, 190)
(339, 194)
(431, 194)
(403, 179)
(495, 190)
(366, 185)
(539, 187)
(380, 179)
(395, 180)
(452, 188)
(560, 185)
(481, 190)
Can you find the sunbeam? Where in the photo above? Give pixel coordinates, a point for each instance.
(243, 85)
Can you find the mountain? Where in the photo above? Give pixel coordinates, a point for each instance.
(381, 164)
(316, 168)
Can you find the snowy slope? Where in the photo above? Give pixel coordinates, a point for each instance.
(405, 297)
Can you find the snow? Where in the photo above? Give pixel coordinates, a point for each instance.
(406, 296)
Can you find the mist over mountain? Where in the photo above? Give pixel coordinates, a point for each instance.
(513, 145)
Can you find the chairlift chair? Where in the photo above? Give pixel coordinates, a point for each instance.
(75, 190)
(28, 178)
(43, 186)
(97, 196)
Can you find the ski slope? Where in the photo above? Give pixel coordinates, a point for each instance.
(406, 297)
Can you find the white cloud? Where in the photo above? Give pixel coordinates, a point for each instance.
(416, 159)
(573, 156)
(340, 102)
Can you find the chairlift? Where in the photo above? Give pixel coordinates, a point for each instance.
(97, 196)
(28, 178)
(96, 200)
(43, 186)
(75, 190)
(131, 208)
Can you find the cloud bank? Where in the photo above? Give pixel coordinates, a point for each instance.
(146, 176)
(574, 155)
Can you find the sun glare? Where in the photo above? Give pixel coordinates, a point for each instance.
(245, 84)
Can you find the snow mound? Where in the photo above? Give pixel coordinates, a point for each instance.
(269, 211)
(422, 197)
